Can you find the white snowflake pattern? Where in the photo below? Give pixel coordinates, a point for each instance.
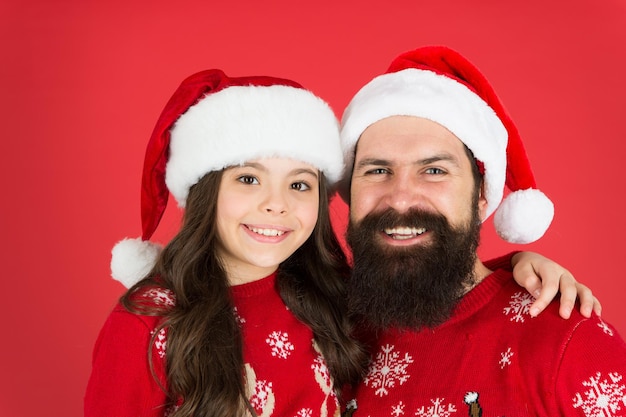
(238, 318)
(398, 409)
(505, 358)
(604, 397)
(387, 369)
(160, 342)
(161, 296)
(519, 306)
(438, 409)
(262, 391)
(279, 342)
(305, 412)
(319, 366)
(605, 328)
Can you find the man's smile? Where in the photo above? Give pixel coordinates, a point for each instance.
(404, 233)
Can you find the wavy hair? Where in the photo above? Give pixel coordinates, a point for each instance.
(205, 366)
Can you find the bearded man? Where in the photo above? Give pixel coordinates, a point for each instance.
(431, 149)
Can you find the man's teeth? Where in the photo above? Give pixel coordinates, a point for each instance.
(401, 233)
(267, 232)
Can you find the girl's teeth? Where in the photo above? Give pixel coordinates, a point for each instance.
(267, 232)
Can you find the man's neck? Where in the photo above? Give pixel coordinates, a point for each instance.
(480, 273)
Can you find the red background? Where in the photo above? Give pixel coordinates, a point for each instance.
(82, 83)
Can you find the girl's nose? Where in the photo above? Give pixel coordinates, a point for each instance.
(275, 202)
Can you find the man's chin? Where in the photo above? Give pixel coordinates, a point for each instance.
(409, 283)
(408, 307)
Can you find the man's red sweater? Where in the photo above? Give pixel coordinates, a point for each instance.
(492, 359)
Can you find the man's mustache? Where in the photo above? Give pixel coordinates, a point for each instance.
(415, 219)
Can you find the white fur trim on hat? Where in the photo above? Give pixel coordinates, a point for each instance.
(132, 260)
(422, 93)
(524, 216)
(241, 123)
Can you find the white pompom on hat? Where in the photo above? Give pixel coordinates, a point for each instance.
(439, 84)
(211, 122)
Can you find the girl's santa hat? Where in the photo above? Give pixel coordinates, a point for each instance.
(212, 122)
(439, 84)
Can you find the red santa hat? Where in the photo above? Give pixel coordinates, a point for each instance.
(439, 84)
(212, 122)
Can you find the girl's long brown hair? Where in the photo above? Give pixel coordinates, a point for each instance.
(205, 368)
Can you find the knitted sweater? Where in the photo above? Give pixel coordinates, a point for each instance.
(492, 359)
(286, 374)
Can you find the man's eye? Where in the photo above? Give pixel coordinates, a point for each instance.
(300, 186)
(435, 171)
(377, 171)
(248, 179)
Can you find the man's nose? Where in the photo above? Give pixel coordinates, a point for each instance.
(404, 192)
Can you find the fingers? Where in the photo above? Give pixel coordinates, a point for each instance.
(568, 287)
(529, 280)
(597, 307)
(548, 289)
(525, 276)
(537, 307)
(588, 302)
(544, 279)
(542, 283)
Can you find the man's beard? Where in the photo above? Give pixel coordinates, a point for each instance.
(414, 286)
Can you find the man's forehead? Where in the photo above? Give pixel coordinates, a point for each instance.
(412, 127)
(404, 143)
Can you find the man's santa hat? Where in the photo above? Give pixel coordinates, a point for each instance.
(439, 84)
(212, 122)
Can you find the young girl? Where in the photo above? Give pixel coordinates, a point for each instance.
(216, 328)
(242, 313)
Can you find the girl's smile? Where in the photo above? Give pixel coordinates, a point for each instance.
(266, 209)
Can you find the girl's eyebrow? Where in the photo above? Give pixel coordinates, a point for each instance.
(299, 171)
(296, 171)
(253, 165)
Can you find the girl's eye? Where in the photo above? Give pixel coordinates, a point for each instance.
(248, 179)
(300, 186)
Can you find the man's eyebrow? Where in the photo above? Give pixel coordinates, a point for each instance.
(372, 161)
(438, 158)
(424, 161)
